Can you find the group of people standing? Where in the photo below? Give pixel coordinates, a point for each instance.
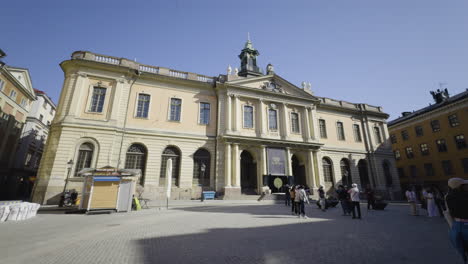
(350, 200)
(297, 197)
(431, 198)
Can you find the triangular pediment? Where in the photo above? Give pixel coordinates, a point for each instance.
(22, 76)
(272, 83)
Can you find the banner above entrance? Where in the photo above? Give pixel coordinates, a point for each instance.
(276, 158)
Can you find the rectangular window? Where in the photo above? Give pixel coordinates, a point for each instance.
(464, 162)
(453, 120)
(23, 102)
(429, 169)
(419, 131)
(409, 152)
(41, 117)
(357, 133)
(176, 105)
(393, 139)
(323, 128)
(413, 171)
(404, 135)
(13, 94)
(401, 172)
(460, 141)
(295, 122)
(97, 101)
(340, 130)
(143, 105)
(378, 137)
(205, 113)
(44, 105)
(447, 167)
(2, 85)
(435, 125)
(272, 119)
(397, 154)
(424, 149)
(248, 116)
(441, 145)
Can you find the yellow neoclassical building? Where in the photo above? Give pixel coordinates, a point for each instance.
(429, 144)
(235, 133)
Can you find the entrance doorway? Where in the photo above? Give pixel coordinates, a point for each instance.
(248, 174)
(298, 171)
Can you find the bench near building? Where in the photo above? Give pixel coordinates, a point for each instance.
(234, 133)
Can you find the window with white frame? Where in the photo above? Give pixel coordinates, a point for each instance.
(272, 119)
(13, 94)
(204, 113)
(323, 128)
(2, 85)
(340, 130)
(143, 105)
(295, 122)
(23, 102)
(97, 100)
(248, 116)
(176, 105)
(85, 157)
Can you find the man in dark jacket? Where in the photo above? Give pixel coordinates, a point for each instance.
(343, 197)
(457, 201)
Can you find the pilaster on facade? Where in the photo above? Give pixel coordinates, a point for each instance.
(228, 113)
(78, 94)
(261, 119)
(227, 165)
(285, 121)
(237, 114)
(306, 125)
(236, 165)
(288, 161)
(311, 171)
(313, 123)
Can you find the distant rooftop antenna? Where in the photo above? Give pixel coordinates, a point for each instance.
(248, 36)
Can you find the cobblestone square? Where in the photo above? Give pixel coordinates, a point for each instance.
(228, 232)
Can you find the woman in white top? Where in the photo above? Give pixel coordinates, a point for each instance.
(431, 205)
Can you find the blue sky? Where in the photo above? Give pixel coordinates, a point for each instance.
(387, 53)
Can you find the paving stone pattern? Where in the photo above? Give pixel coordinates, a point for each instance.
(226, 232)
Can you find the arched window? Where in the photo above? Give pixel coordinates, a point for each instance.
(387, 174)
(174, 154)
(345, 172)
(327, 170)
(201, 168)
(363, 173)
(85, 157)
(136, 159)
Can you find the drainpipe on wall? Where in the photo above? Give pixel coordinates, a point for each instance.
(137, 74)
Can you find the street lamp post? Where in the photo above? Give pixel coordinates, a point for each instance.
(69, 167)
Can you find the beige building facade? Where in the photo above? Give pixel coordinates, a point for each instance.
(236, 133)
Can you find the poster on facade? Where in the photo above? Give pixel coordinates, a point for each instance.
(276, 158)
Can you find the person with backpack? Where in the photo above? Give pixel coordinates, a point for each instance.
(292, 193)
(343, 198)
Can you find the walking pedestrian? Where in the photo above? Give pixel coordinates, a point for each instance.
(370, 197)
(439, 200)
(287, 196)
(355, 201)
(457, 200)
(292, 192)
(412, 201)
(322, 201)
(431, 205)
(424, 198)
(343, 198)
(302, 200)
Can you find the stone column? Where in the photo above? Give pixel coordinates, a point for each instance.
(237, 115)
(305, 125)
(227, 165)
(236, 165)
(288, 162)
(261, 118)
(261, 168)
(319, 178)
(285, 122)
(310, 164)
(228, 113)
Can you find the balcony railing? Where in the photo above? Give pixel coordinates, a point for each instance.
(106, 59)
(178, 74)
(149, 69)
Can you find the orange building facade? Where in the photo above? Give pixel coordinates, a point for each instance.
(430, 144)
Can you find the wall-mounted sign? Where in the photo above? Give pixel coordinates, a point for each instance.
(276, 158)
